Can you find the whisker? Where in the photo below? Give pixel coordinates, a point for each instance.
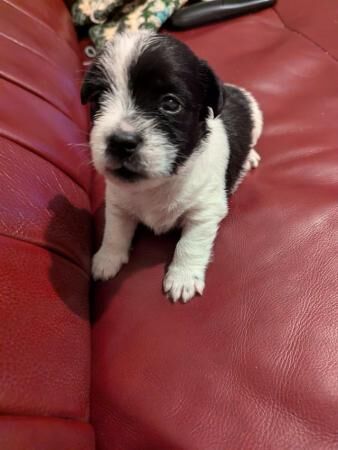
(88, 163)
(85, 133)
(70, 144)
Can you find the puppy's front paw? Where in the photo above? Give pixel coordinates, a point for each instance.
(106, 263)
(183, 284)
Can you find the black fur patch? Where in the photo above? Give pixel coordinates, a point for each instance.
(94, 85)
(169, 66)
(236, 116)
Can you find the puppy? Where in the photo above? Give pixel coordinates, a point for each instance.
(172, 142)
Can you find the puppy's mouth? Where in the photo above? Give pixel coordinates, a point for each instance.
(126, 171)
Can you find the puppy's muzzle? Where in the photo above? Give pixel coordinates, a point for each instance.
(123, 144)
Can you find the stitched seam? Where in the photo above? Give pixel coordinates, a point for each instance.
(304, 36)
(32, 150)
(36, 93)
(49, 249)
(43, 24)
(59, 67)
(78, 421)
(30, 49)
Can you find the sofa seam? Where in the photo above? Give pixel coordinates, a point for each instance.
(32, 50)
(304, 36)
(43, 24)
(37, 94)
(49, 249)
(77, 421)
(30, 149)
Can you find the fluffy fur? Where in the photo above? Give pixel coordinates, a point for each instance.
(194, 141)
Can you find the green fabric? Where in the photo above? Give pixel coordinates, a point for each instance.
(107, 17)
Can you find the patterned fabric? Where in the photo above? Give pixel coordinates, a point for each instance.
(107, 17)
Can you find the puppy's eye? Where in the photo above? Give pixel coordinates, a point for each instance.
(170, 104)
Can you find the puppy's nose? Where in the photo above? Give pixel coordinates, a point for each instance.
(124, 143)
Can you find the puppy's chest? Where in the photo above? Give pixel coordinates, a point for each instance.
(159, 214)
(160, 217)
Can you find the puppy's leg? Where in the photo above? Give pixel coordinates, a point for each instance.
(118, 233)
(186, 273)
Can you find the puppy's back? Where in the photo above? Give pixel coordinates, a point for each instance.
(243, 121)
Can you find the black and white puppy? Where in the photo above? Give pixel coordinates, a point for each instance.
(172, 142)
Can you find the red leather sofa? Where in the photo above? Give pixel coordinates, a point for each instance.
(251, 365)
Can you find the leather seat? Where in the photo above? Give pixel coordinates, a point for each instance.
(250, 365)
(45, 232)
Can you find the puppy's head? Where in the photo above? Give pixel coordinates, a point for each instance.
(150, 97)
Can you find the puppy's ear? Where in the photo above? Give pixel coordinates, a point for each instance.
(213, 88)
(94, 84)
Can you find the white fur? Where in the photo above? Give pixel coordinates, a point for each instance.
(253, 160)
(156, 155)
(193, 199)
(257, 117)
(119, 111)
(114, 251)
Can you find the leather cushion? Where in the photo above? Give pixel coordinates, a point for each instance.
(45, 232)
(31, 433)
(253, 363)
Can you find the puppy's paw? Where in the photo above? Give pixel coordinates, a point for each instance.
(183, 284)
(252, 161)
(107, 263)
